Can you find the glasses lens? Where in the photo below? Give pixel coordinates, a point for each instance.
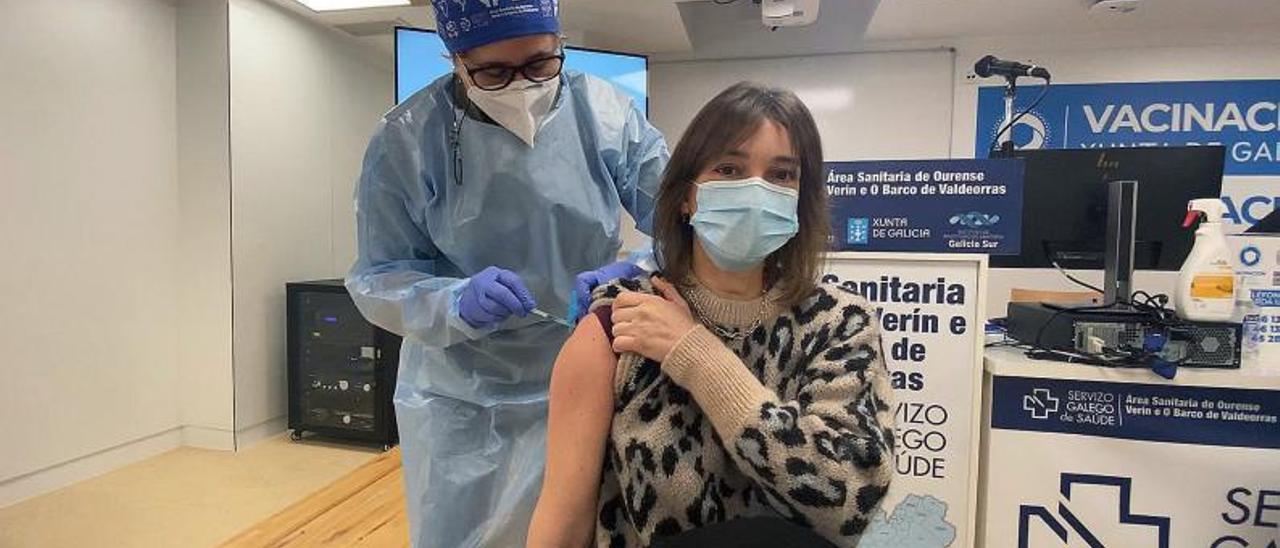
(543, 69)
(492, 78)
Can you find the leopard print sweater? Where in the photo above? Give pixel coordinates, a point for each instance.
(791, 419)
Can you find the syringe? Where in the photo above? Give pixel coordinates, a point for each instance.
(549, 317)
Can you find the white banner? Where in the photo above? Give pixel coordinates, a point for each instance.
(1074, 462)
(931, 320)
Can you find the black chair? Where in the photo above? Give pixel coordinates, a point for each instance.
(746, 533)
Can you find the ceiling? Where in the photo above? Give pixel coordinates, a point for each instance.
(701, 29)
(735, 30)
(651, 26)
(932, 19)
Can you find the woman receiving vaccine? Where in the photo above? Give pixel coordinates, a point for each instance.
(733, 385)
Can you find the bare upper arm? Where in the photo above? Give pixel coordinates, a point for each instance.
(584, 369)
(579, 416)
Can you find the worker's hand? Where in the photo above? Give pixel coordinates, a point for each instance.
(588, 281)
(650, 325)
(492, 296)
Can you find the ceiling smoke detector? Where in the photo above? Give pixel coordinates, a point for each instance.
(788, 13)
(1114, 6)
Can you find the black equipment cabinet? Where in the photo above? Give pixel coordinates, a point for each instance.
(342, 369)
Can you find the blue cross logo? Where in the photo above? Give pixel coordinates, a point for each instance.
(1064, 523)
(1041, 403)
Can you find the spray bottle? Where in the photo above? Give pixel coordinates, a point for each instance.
(1206, 284)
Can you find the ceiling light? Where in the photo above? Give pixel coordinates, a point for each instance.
(335, 5)
(1114, 6)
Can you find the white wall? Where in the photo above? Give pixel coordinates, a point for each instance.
(89, 234)
(204, 177)
(119, 227)
(304, 101)
(867, 106)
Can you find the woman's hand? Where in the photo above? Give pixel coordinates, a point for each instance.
(650, 325)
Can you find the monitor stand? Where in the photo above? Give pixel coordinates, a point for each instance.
(1118, 255)
(1049, 325)
(1122, 222)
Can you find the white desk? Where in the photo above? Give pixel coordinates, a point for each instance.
(1078, 455)
(1009, 361)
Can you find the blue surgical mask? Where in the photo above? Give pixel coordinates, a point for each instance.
(741, 222)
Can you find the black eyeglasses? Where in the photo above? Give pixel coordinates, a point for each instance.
(495, 78)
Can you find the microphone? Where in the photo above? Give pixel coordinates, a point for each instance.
(991, 66)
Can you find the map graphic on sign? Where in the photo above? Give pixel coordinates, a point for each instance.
(919, 521)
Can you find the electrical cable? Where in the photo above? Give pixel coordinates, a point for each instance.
(1078, 281)
(1009, 127)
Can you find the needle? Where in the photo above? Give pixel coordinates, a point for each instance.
(547, 316)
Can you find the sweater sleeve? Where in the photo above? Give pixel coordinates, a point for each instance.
(823, 459)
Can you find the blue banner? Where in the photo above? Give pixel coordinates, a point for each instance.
(945, 206)
(1231, 417)
(1242, 115)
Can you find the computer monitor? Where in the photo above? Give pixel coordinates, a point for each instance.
(1064, 212)
(421, 58)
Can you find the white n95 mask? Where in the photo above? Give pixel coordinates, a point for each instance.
(520, 107)
(741, 222)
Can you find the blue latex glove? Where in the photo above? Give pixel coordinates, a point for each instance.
(492, 296)
(588, 281)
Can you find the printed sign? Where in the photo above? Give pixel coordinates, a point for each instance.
(1256, 264)
(1179, 414)
(950, 206)
(1241, 115)
(1087, 463)
(931, 328)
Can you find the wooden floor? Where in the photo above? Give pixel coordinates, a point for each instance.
(187, 497)
(363, 509)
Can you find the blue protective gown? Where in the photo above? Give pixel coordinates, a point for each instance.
(443, 196)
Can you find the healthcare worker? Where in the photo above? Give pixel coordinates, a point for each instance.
(494, 190)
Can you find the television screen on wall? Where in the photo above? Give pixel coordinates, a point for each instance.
(421, 58)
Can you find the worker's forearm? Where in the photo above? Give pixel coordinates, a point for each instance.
(412, 303)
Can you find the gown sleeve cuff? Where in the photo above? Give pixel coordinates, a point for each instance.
(455, 318)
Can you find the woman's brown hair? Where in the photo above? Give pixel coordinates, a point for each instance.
(729, 120)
